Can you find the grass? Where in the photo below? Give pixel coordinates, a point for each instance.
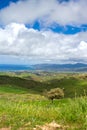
(21, 112)
(12, 89)
(73, 84)
(22, 104)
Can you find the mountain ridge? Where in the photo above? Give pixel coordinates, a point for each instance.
(61, 67)
(44, 67)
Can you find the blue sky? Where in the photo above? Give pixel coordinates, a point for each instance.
(5, 3)
(34, 31)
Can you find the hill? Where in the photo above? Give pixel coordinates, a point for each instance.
(61, 67)
(23, 106)
(73, 84)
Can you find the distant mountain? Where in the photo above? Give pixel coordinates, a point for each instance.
(79, 67)
(61, 67)
(10, 67)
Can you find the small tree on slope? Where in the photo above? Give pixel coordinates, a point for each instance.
(55, 93)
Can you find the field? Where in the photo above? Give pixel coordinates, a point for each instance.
(23, 105)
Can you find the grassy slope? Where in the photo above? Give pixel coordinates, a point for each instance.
(22, 106)
(26, 111)
(73, 84)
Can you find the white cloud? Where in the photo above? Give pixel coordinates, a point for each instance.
(48, 11)
(45, 46)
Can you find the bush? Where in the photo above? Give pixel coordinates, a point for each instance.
(55, 93)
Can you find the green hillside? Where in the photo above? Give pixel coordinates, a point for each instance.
(73, 84)
(24, 107)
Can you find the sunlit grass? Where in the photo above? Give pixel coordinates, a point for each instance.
(28, 112)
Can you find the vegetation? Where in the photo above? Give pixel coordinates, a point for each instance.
(26, 111)
(73, 84)
(23, 106)
(55, 93)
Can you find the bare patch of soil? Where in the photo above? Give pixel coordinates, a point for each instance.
(51, 126)
(5, 128)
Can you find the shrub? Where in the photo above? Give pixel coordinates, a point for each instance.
(55, 93)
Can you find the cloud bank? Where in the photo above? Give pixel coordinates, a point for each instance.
(46, 11)
(46, 46)
(16, 40)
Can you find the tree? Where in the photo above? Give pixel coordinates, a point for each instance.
(56, 93)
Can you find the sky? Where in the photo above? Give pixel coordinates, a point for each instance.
(43, 31)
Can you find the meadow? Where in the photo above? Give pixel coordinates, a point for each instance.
(23, 105)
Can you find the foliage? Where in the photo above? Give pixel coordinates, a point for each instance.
(55, 93)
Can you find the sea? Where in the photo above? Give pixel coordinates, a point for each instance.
(11, 67)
